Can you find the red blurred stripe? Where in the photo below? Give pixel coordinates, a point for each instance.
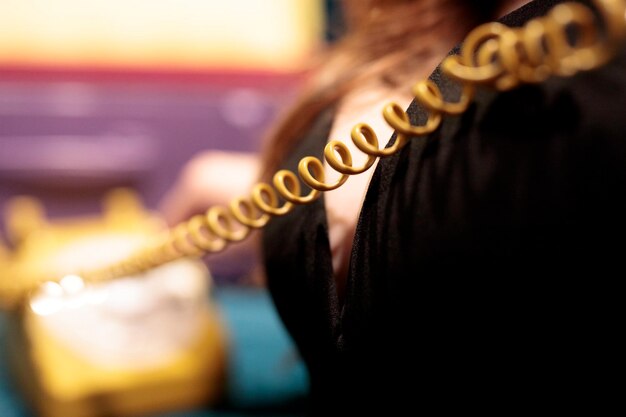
(216, 76)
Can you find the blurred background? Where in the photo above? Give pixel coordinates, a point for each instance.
(100, 94)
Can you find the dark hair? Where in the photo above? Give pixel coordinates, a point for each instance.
(386, 40)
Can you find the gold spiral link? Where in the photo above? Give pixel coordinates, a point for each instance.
(429, 95)
(221, 222)
(343, 164)
(150, 256)
(534, 69)
(201, 236)
(181, 241)
(562, 43)
(265, 198)
(248, 218)
(613, 13)
(396, 117)
(366, 140)
(311, 171)
(476, 63)
(572, 57)
(288, 186)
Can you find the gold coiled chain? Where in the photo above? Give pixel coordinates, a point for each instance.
(565, 41)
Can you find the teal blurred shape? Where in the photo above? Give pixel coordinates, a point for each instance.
(264, 369)
(266, 377)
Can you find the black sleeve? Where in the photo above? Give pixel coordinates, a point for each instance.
(499, 241)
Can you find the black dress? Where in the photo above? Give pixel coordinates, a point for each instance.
(486, 265)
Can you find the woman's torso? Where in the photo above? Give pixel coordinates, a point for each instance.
(465, 272)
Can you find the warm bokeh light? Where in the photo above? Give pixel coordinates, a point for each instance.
(72, 284)
(179, 34)
(49, 301)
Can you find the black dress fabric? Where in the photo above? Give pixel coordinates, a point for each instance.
(486, 264)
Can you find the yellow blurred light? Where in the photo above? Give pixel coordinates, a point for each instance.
(188, 34)
(72, 284)
(49, 300)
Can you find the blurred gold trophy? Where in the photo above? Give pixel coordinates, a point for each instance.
(133, 346)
